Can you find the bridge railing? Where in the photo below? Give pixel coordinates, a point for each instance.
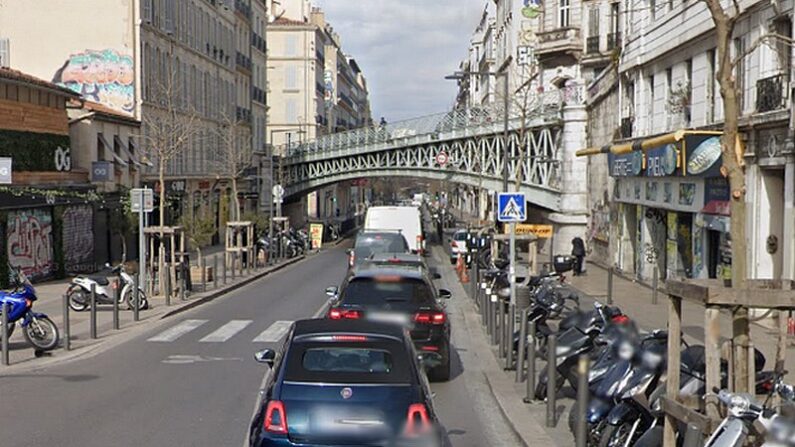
(476, 120)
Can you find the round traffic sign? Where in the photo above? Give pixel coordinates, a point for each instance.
(278, 191)
(441, 158)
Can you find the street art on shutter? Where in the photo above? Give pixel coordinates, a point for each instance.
(30, 242)
(104, 76)
(78, 239)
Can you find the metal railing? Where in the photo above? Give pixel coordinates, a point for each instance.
(592, 45)
(771, 93)
(475, 121)
(613, 41)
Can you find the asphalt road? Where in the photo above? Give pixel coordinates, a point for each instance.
(192, 380)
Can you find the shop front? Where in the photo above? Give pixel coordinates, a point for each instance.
(670, 208)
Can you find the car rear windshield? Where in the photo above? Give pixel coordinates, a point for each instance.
(353, 362)
(460, 236)
(374, 243)
(388, 291)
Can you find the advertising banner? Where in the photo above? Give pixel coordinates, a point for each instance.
(316, 235)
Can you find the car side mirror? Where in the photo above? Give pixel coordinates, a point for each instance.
(266, 356)
(332, 291)
(429, 360)
(445, 294)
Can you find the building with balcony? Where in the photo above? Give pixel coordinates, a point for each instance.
(197, 58)
(669, 205)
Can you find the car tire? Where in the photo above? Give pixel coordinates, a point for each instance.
(442, 372)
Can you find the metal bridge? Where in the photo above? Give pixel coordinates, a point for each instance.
(472, 140)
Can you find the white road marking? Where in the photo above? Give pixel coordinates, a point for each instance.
(274, 333)
(226, 331)
(177, 331)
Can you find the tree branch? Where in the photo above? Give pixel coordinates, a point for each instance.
(761, 40)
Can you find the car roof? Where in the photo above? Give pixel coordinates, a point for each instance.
(401, 257)
(370, 270)
(326, 326)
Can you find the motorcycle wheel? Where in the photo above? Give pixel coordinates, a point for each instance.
(615, 435)
(129, 300)
(42, 333)
(78, 301)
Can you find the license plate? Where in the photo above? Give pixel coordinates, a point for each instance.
(389, 317)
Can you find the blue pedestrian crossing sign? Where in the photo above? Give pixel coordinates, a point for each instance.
(511, 207)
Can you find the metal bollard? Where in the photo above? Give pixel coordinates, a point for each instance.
(4, 333)
(223, 268)
(581, 432)
(67, 342)
(520, 353)
(552, 374)
(204, 274)
(531, 363)
(116, 298)
(167, 288)
(249, 261)
(655, 277)
(234, 264)
(610, 285)
(137, 297)
(93, 320)
(509, 337)
(183, 283)
(241, 265)
(693, 436)
(489, 319)
(215, 271)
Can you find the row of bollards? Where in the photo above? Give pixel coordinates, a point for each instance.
(499, 322)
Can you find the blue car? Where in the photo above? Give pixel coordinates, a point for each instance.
(345, 383)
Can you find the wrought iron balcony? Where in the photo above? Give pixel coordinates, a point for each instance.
(613, 41)
(243, 8)
(771, 93)
(626, 126)
(243, 61)
(592, 45)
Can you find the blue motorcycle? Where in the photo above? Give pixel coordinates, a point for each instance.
(37, 328)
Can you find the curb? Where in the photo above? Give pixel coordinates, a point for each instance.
(232, 287)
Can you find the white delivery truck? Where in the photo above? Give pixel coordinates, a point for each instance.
(406, 219)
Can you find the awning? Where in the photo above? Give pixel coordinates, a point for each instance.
(144, 160)
(126, 151)
(643, 144)
(109, 148)
(712, 222)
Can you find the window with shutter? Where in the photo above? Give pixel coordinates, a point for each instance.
(146, 13)
(5, 52)
(291, 46)
(291, 111)
(291, 78)
(169, 16)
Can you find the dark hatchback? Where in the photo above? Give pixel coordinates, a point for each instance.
(345, 383)
(375, 242)
(397, 294)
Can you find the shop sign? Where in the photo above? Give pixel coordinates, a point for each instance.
(625, 165)
(316, 235)
(716, 196)
(702, 159)
(540, 230)
(101, 171)
(662, 161)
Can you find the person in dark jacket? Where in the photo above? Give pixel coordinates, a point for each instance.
(578, 251)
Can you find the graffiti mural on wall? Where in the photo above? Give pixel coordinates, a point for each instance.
(78, 239)
(600, 222)
(104, 76)
(30, 242)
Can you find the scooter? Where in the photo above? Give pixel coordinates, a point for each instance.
(79, 291)
(37, 327)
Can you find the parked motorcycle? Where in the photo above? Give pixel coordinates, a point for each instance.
(79, 291)
(37, 327)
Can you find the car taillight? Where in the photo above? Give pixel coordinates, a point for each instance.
(417, 419)
(620, 319)
(430, 317)
(349, 338)
(342, 314)
(275, 418)
(453, 244)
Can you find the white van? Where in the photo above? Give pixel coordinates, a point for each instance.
(407, 219)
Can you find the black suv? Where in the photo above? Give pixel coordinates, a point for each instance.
(401, 294)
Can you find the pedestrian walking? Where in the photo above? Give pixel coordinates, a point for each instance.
(578, 251)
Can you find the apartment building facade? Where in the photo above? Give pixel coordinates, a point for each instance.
(205, 55)
(668, 207)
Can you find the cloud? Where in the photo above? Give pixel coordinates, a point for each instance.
(405, 49)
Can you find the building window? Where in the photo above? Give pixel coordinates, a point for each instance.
(564, 13)
(650, 125)
(291, 77)
(653, 9)
(739, 73)
(291, 45)
(291, 111)
(146, 10)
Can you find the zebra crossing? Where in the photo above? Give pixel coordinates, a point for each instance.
(228, 330)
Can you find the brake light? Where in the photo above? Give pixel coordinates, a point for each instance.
(275, 418)
(453, 244)
(417, 419)
(28, 303)
(430, 317)
(620, 319)
(767, 385)
(342, 314)
(394, 261)
(349, 338)
(430, 348)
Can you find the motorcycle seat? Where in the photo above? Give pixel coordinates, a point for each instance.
(100, 280)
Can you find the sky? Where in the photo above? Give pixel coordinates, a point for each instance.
(405, 49)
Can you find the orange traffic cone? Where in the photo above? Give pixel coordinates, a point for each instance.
(459, 264)
(464, 276)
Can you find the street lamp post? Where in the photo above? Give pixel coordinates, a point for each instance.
(505, 156)
(271, 248)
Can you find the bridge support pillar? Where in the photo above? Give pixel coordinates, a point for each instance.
(572, 219)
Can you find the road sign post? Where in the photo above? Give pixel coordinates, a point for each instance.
(142, 201)
(512, 209)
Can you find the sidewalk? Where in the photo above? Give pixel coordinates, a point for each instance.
(50, 302)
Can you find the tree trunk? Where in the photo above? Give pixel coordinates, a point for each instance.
(160, 248)
(235, 201)
(123, 247)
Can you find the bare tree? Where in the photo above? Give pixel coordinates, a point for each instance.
(732, 155)
(169, 126)
(232, 157)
